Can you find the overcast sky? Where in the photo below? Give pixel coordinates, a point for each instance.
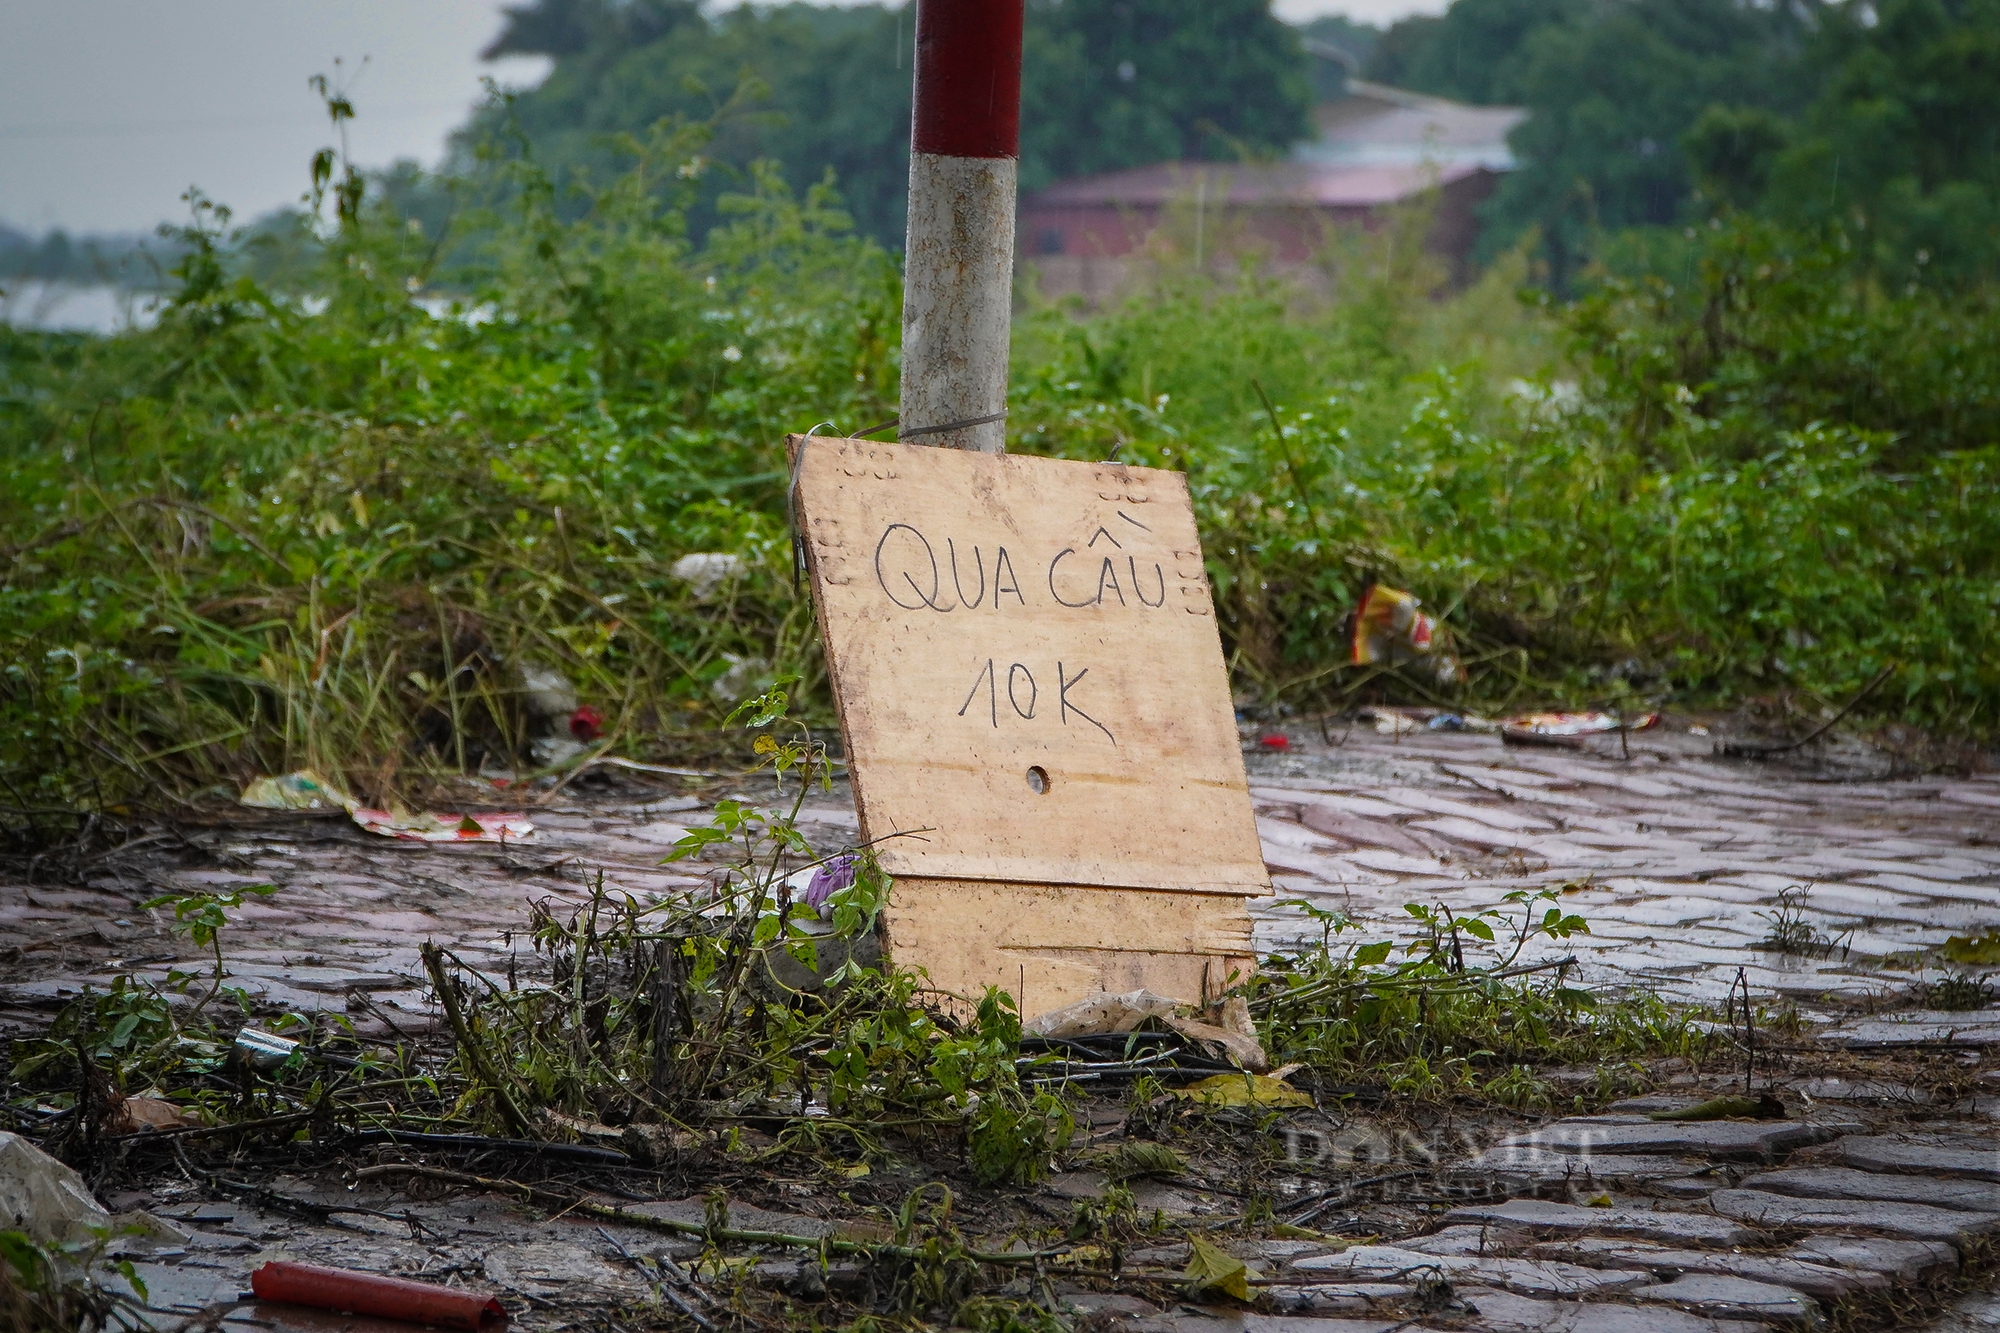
(111, 109)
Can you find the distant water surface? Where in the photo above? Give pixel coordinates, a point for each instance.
(70, 307)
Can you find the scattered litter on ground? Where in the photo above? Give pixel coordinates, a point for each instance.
(349, 1292)
(1391, 630)
(705, 572)
(833, 877)
(43, 1198)
(307, 790)
(1231, 1036)
(546, 694)
(303, 790)
(263, 1050)
(136, 1115)
(586, 723)
(1394, 721)
(431, 826)
(1554, 727)
(1099, 1014)
(1579, 724)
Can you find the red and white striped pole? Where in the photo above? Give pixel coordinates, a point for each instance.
(958, 271)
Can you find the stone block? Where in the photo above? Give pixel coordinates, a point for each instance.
(1839, 1182)
(1865, 1092)
(1814, 1279)
(1532, 1277)
(1546, 1166)
(1733, 1297)
(1572, 1220)
(1733, 1140)
(1913, 1220)
(1472, 1240)
(1902, 1260)
(1505, 1312)
(1964, 1156)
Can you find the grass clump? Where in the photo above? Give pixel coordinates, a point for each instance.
(271, 534)
(1442, 1021)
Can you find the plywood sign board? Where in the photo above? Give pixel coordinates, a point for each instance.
(1030, 680)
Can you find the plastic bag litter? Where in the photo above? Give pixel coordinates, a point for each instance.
(1392, 722)
(44, 1198)
(430, 826)
(1578, 724)
(1234, 1037)
(706, 571)
(303, 790)
(1390, 629)
(1099, 1014)
(136, 1115)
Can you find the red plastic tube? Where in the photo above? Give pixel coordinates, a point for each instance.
(372, 1294)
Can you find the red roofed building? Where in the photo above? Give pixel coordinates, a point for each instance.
(1378, 147)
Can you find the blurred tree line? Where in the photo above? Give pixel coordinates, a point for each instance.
(1878, 117)
(56, 256)
(1882, 118)
(824, 88)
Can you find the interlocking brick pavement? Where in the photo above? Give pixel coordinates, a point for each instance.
(1676, 859)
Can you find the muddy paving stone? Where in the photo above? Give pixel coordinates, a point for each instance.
(1963, 1156)
(1912, 1220)
(1344, 1301)
(1922, 1027)
(1505, 1312)
(1570, 1219)
(1720, 1294)
(1865, 1092)
(1814, 1279)
(1754, 1140)
(1529, 1277)
(1237, 1321)
(1471, 1240)
(1540, 1166)
(1977, 1313)
(1904, 1260)
(1834, 1182)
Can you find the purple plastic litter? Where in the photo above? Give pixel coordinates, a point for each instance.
(828, 880)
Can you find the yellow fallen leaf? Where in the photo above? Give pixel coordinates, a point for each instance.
(1210, 1269)
(1244, 1090)
(1976, 951)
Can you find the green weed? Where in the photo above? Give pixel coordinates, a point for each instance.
(342, 520)
(1435, 1023)
(652, 1011)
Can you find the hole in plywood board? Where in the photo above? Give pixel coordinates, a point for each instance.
(1038, 780)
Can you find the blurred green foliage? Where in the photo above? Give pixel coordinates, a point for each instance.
(1106, 84)
(331, 525)
(1877, 118)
